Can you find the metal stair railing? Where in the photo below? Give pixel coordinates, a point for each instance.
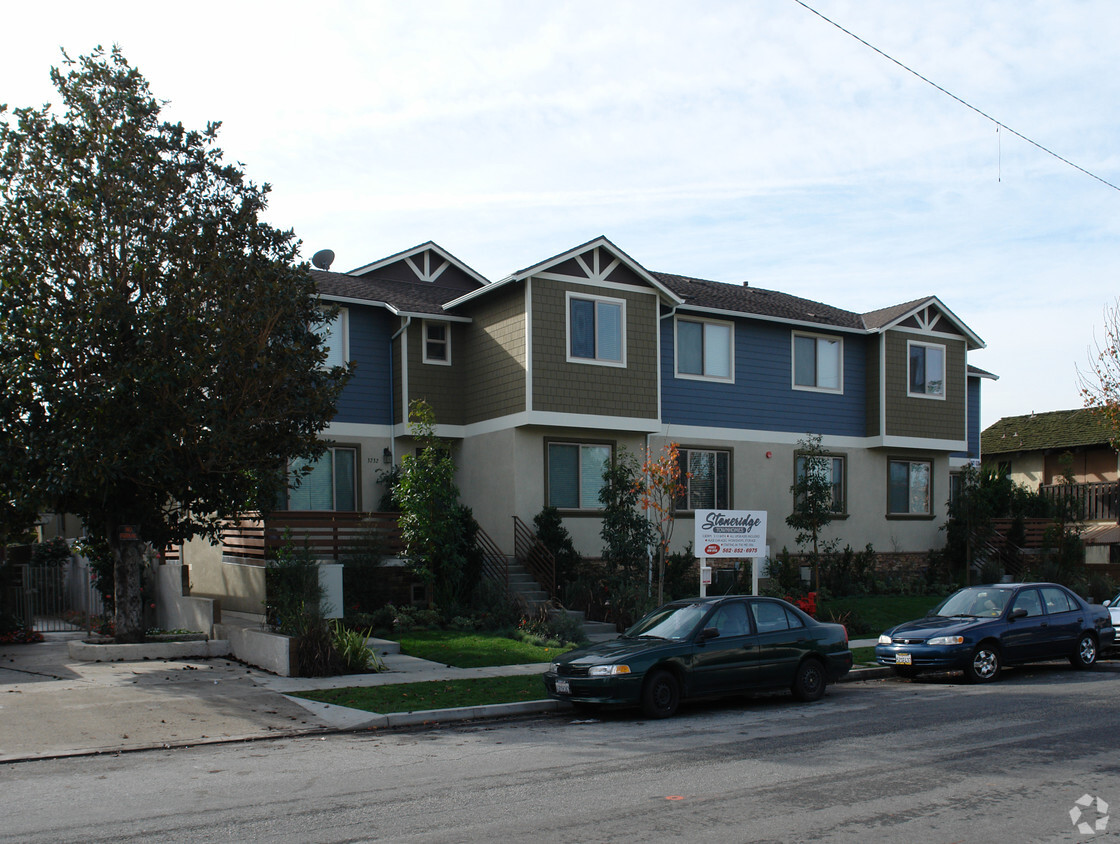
(531, 553)
(494, 563)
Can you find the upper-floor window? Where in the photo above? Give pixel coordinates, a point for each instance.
(705, 349)
(927, 370)
(831, 469)
(818, 362)
(909, 487)
(596, 330)
(437, 342)
(330, 485)
(336, 338)
(575, 474)
(706, 478)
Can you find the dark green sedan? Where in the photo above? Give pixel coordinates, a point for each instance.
(705, 647)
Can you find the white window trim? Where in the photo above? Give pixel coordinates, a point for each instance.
(568, 296)
(428, 323)
(911, 461)
(836, 391)
(344, 338)
(579, 446)
(687, 481)
(944, 366)
(691, 376)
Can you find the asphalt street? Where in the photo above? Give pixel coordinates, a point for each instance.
(885, 760)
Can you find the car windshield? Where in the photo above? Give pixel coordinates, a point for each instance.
(976, 601)
(676, 621)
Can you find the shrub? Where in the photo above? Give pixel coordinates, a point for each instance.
(355, 656)
(555, 537)
(549, 626)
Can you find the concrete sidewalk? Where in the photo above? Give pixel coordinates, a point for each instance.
(52, 705)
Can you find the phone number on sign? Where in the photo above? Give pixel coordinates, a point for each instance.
(732, 551)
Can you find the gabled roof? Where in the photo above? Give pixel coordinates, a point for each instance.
(400, 297)
(926, 314)
(1041, 431)
(577, 254)
(415, 282)
(421, 263)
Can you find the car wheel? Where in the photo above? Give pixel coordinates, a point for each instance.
(907, 672)
(1086, 653)
(661, 695)
(810, 681)
(984, 665)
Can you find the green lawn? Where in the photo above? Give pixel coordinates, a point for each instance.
(870, 615)
(434, 694)
(473, 650)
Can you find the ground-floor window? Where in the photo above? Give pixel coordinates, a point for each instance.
(575, 474)
(706, 477)
(832, 467)
(330, 485)
(909, 487)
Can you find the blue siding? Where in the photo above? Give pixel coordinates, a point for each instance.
(762, 396)
(973, 420)
(366, 398)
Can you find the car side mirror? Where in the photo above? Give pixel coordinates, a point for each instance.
(1108, 603)
(1018, 612)
(709, 633)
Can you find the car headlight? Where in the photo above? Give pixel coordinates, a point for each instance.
(884, 639)
(554, 667)
(608, 670)
(946, 640)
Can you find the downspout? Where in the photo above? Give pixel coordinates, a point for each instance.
(392, 432)
(672, 312)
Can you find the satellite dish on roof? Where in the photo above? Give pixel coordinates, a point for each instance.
(323, 259)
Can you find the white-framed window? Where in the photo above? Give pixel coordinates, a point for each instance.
(336, 338)
(926, 362)
(706, 477)
(832, 466)
(332, 483)
(437, 342)
(909, 487)
(575, 474)
(818, 362)
(596, 330)
(705, 349)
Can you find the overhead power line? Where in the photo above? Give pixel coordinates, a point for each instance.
(947, 93)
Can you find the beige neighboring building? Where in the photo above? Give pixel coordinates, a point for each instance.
(1036, 450)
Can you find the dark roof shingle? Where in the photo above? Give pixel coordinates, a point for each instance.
(1039, 431)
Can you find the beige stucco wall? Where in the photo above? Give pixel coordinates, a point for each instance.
(238, 588)
(763, 483)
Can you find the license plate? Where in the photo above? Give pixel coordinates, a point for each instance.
(902, 659)
(562, 687)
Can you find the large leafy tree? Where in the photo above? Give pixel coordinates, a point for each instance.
(161, 357)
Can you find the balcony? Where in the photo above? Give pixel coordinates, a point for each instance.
(1096, 502)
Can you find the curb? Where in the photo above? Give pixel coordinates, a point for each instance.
(112, 652)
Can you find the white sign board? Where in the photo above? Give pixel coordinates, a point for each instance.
(730, 533)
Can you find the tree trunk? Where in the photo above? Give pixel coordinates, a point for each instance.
(128, 591)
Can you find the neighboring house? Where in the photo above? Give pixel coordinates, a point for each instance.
(542, 377)
(1039, 450)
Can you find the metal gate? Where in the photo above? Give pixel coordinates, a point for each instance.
(59, 598)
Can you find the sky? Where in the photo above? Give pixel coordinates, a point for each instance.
(748, 141)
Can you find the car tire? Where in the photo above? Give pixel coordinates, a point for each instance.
(661, 694)
(810, 681)
(984, 665)
(906, 671)
(1085, 655)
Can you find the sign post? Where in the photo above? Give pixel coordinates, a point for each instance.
(729, 534)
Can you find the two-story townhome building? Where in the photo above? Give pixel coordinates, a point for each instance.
(539, 379)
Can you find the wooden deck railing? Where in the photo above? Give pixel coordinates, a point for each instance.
(328, 534)
(1097, 502)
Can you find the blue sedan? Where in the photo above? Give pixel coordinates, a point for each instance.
(980, 629)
